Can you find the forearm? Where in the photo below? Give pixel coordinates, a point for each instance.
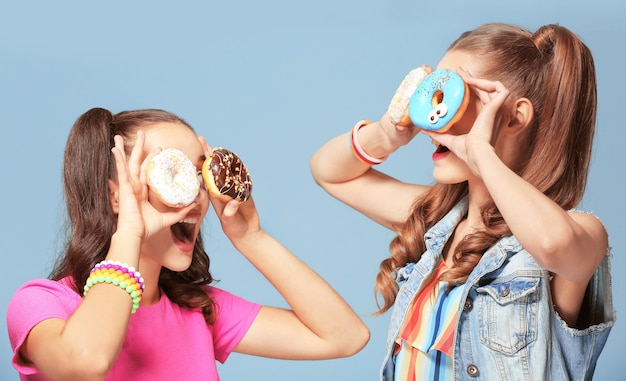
(335, 162)
(558, 242)
(312, 299)
(93, 336)
(378, 196)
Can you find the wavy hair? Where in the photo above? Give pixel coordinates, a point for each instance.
(87, 166)
(554, 69)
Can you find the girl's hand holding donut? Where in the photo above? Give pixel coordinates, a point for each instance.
(396, 124)
(398, 110)
(135, 214)
(492, 95)
(396, 135)
(239, 217)
(239, 220)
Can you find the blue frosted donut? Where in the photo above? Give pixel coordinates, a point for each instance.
(439, 101)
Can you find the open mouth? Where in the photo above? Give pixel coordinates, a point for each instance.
(183, 231)
(441, 149)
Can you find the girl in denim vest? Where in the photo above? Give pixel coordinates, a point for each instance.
(493, 274)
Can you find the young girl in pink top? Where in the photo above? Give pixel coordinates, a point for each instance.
(166, 322)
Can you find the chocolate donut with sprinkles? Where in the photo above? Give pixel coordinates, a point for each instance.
(226, 176)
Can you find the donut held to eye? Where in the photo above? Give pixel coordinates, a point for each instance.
(173, 178)
(226, 177)
(398, 107)
(439, 101)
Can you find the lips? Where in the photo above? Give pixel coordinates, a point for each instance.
(441, 152)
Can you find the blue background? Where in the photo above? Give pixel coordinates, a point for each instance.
(271, 80)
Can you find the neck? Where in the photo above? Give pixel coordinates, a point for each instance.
(478, 196)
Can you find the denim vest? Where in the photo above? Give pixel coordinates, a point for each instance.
(507, 328)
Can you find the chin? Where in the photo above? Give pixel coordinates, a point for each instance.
(178, 264)
(449, 178)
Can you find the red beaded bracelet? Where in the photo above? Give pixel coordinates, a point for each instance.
(356, 148)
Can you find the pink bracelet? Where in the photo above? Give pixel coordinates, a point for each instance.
(356, 148)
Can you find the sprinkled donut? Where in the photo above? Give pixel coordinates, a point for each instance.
(398, 108)
(173, 177)
(226, 176)
(439, 101)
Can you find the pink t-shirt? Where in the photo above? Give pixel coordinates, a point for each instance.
(163, 342)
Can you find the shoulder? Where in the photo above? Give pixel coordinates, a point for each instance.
(42, 294)
(235, 316)
(42, 288)
(38, 300)
(230, 304)
(593, 225)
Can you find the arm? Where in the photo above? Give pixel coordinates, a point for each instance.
(320, 325)
(570, 245)
(86, 345)
(378, 196)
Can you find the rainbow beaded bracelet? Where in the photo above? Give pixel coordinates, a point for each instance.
(118, 274)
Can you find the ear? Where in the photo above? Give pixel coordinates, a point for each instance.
(114, 196)
(522, 114)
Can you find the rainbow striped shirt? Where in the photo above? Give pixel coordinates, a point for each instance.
(424, 347)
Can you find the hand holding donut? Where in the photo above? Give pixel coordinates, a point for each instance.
(135, 214)
(226, 176)
(439, 101)
(234, 207)
(175, 181)
(430, 100)
(398, 110)
(492, 96)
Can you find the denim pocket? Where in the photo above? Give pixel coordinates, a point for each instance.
(507, 314)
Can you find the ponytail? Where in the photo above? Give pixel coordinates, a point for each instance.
(87, 167)
(566, 116)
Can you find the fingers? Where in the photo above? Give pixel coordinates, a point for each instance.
(224, 209)
(120, 159)
(134, 162)
(231, 208)
(170, 218)
(205, 146)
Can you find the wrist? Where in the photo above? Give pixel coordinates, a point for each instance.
(125, 247)
(479, 154)
(365, 142)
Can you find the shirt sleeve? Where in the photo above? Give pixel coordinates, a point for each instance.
(32, 303)
(235, 315)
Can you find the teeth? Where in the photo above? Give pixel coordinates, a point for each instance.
(189, 221)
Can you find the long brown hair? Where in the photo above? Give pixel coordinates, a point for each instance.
(87, 166)
(554, 69)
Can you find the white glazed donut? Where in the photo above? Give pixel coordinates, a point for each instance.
(398, 108)
(173, 177)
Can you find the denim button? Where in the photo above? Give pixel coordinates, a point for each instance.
(504, 293)
(472, 370)
(468, 305)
